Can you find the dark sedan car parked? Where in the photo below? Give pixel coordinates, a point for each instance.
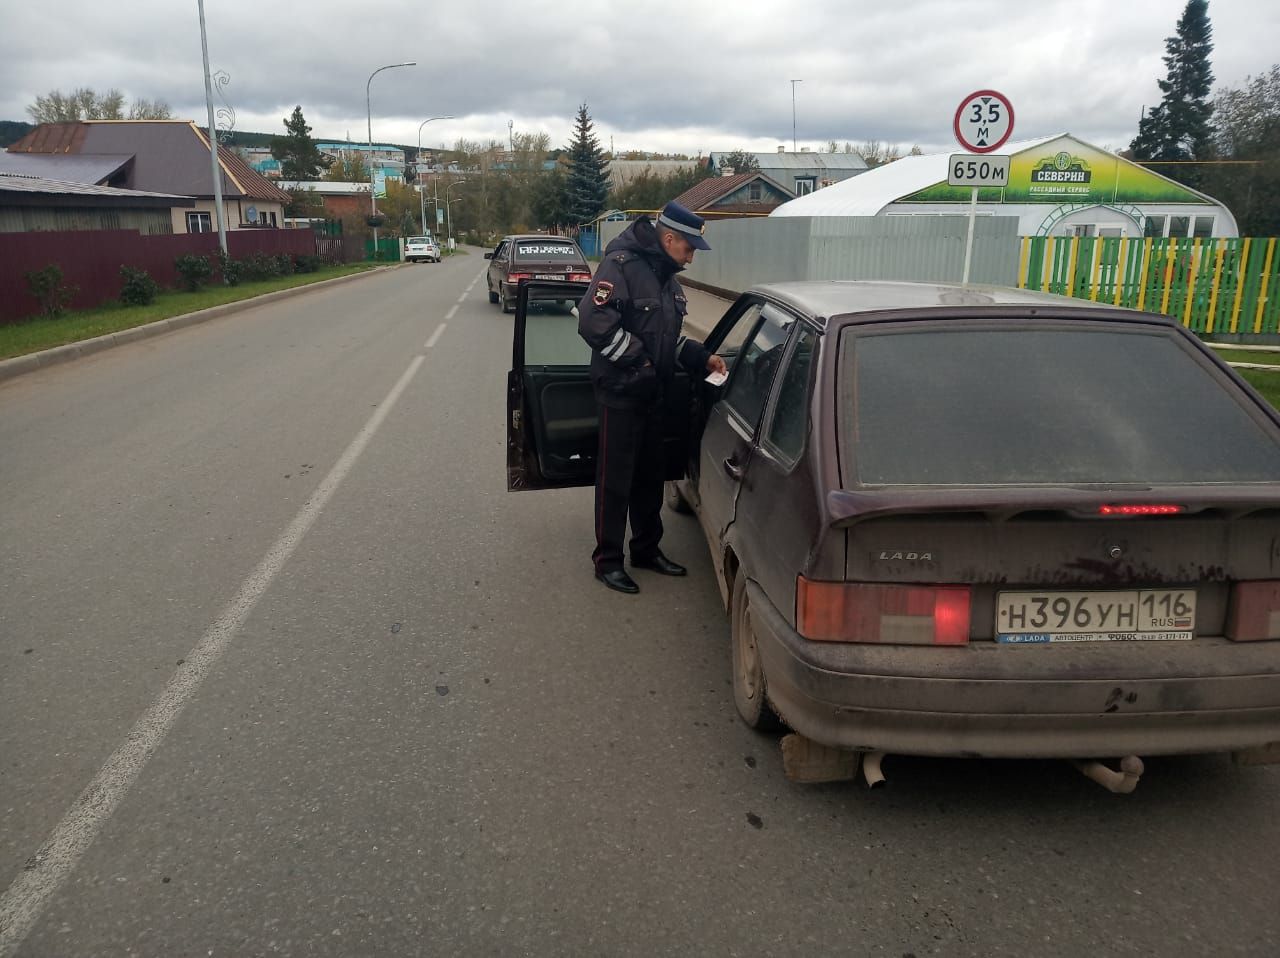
(962, 521)
(533, 256)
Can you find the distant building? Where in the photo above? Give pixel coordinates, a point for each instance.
(1058, 186)
(738, 194)
(802, 172)
(29, 203)
(390, 161)
(151, 156)
(623, 172)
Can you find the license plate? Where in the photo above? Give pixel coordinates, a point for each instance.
(548, 276)
(1147, 615)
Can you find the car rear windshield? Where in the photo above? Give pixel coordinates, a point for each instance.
(418, 239)
(548, 251)
(1051, 405)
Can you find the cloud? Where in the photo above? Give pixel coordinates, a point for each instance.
(663, 75)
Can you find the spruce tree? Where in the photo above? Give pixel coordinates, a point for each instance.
(587, 183)
(1179, 127)
(296, 150)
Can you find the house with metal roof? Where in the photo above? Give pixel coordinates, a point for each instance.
(29, 203)
(800, 172)
(151, 156)
(738, 194)
(1058, 186)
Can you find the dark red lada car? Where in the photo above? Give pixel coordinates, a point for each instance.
(962, 521)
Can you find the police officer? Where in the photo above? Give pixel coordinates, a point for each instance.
(631, 317)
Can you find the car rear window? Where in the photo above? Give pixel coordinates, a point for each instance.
(548, 251)
(1051, 405)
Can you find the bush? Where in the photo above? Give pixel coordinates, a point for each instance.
(51, 293)
(284, 264)
(306, 263)
(232, 270)
(139, 288)
(194, 270)
(257, 267)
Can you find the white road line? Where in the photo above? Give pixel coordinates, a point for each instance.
(439, 332)
(452, 312)
(23, 902)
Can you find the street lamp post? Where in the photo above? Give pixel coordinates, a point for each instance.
(793, 114)
(422, 199)
(448, 210)
(213, 139)
(368, 102)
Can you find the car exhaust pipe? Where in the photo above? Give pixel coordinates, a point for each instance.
(1122, 782)
(871, 769)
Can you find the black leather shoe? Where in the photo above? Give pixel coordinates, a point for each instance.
(619, 581)
(660, 564)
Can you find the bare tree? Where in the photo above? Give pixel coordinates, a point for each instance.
(84, 103)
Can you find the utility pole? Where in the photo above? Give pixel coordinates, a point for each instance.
(793, 114)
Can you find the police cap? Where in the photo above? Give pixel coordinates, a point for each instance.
(685, 222)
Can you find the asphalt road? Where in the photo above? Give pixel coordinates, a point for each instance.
(284, 669)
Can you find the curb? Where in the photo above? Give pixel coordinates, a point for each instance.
(19, 365)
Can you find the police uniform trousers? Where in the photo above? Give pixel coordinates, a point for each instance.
(629, 471)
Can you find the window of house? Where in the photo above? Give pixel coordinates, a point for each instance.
(1204, 226)
(1154, 226)
(1084, 229)
(755, 192)
(806, 184)
(199, 222)
(1179, 226)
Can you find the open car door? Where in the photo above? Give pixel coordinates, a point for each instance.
(552, 421)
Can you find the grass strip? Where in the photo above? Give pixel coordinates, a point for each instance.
(33, 335)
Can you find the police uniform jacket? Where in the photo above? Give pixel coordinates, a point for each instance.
(631, 317)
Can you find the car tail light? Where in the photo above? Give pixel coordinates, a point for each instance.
(579, 277)
(1142, 509)
(516, 277)
(892, 614)
(1254, 612)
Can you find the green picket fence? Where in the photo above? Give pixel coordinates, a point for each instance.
(1224, 286)
(388, 249)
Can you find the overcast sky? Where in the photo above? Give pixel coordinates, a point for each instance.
(685, 77)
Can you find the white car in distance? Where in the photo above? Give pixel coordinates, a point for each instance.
(420, 248)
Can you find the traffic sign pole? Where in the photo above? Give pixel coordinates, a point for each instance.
(983, 122)
(968, 243)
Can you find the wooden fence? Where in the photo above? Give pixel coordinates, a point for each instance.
(1212, 286)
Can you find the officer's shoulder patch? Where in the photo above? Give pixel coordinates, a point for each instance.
(603, 293)
(623, 257)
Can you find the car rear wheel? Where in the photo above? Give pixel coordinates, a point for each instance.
(748, 671)
(493, 297)
(675, 499)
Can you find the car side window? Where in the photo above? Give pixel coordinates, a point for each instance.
(501, 251)
(730, 344)
(791, 413)
(752, 375)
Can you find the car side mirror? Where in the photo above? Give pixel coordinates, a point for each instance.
(488, 256)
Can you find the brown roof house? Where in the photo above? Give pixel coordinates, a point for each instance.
(741, 194)
(154, 156)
